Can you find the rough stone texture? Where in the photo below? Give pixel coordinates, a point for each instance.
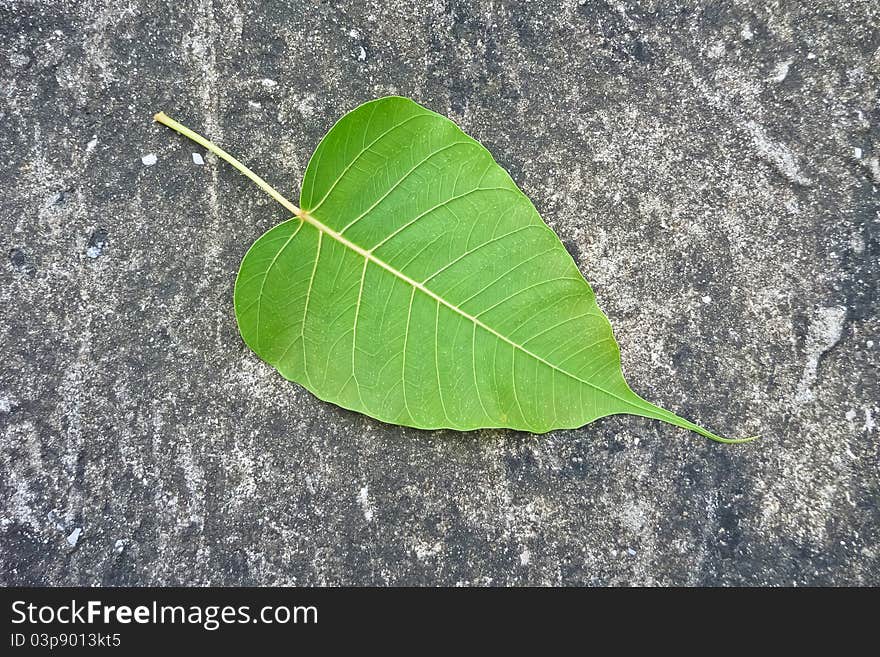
(713, 167)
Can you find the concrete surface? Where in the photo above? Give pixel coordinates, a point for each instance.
(712, 166)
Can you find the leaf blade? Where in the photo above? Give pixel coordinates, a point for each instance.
(461, 225)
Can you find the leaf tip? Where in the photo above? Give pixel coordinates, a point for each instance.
(733, 441)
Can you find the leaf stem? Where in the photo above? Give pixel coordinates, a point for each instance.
(164, 119)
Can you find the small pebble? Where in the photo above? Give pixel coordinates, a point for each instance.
(96, 244)
(707, 299)
(780, 72)
(73, 539)
(197, 159)
(631, 552)
(149, 159)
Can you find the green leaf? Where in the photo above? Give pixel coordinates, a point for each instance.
(417, 284)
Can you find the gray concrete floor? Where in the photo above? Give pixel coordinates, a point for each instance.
(713, 168)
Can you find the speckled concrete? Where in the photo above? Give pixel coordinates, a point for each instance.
(713, 168)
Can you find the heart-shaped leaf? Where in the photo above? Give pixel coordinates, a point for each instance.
(417, 284)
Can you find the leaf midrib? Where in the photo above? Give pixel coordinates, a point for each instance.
(370, 257)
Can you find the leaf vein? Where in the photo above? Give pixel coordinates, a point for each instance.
(400, 182)
(358, 156)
